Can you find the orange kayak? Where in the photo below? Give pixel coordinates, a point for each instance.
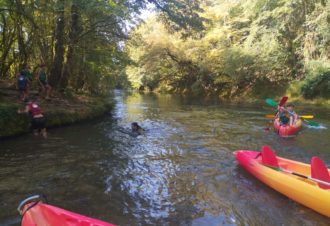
(297, 187)
(36, 213)
(287, 130)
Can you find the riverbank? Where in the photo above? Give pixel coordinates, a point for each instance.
(59, 111)
(252, 99)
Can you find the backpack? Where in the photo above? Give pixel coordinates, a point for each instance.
(22, 81)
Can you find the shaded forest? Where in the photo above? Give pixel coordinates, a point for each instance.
(252, 48)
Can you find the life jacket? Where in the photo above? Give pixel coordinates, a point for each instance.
(284, 118)
(34, 109)
(22, 81)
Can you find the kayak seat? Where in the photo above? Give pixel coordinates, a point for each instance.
(268, 157)
(319, 171)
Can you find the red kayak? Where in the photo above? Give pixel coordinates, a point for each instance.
(287, 130)
(36, 213)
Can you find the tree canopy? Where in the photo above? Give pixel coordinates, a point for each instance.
(80, 41)
(245, 47)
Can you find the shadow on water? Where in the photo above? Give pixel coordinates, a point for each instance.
(181, 172)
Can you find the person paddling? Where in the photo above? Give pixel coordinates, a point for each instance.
(283, 116)
(292, 114)
(287, 115)
(38, 121)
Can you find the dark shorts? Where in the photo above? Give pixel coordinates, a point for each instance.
(22, 89)
(38, 123)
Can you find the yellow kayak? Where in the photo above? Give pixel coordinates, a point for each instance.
(290, 177)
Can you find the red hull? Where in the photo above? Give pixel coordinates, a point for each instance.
(286, 130)
(46, 215)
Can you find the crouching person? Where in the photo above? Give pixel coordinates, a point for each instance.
(38, 120)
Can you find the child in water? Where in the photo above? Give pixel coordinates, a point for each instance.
(136, 129)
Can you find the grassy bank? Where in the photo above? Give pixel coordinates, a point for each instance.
(58, 112)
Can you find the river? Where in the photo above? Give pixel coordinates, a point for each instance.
(181, 172)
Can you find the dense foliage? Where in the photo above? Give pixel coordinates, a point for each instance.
(80, 41)
(254, 47)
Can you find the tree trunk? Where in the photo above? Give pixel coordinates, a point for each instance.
(56, 69)
(23, 56)
(67, 70)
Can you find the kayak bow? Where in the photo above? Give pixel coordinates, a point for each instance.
(36, 213)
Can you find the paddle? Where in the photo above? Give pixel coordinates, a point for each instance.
(301, 116)
(272, 103)
(311, 123)
(283, 101)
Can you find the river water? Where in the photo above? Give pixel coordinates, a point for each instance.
(181, 172)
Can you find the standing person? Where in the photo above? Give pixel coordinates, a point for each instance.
(43, 81)
(22, 86)
(29, 77)
(38, 121)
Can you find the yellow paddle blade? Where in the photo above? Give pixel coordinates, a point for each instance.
(301, 116)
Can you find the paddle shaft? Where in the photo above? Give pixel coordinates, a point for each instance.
(301, 116)
(298, 174)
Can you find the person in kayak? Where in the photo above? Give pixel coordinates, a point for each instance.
(38, 121)
(292, 115)
(136, 129)
(283, 116)
(43, 81)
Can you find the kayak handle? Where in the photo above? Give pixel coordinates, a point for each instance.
(27, 200)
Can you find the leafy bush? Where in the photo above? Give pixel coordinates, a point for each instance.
(319, 86)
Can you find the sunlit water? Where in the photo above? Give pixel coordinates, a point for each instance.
(181, 172)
